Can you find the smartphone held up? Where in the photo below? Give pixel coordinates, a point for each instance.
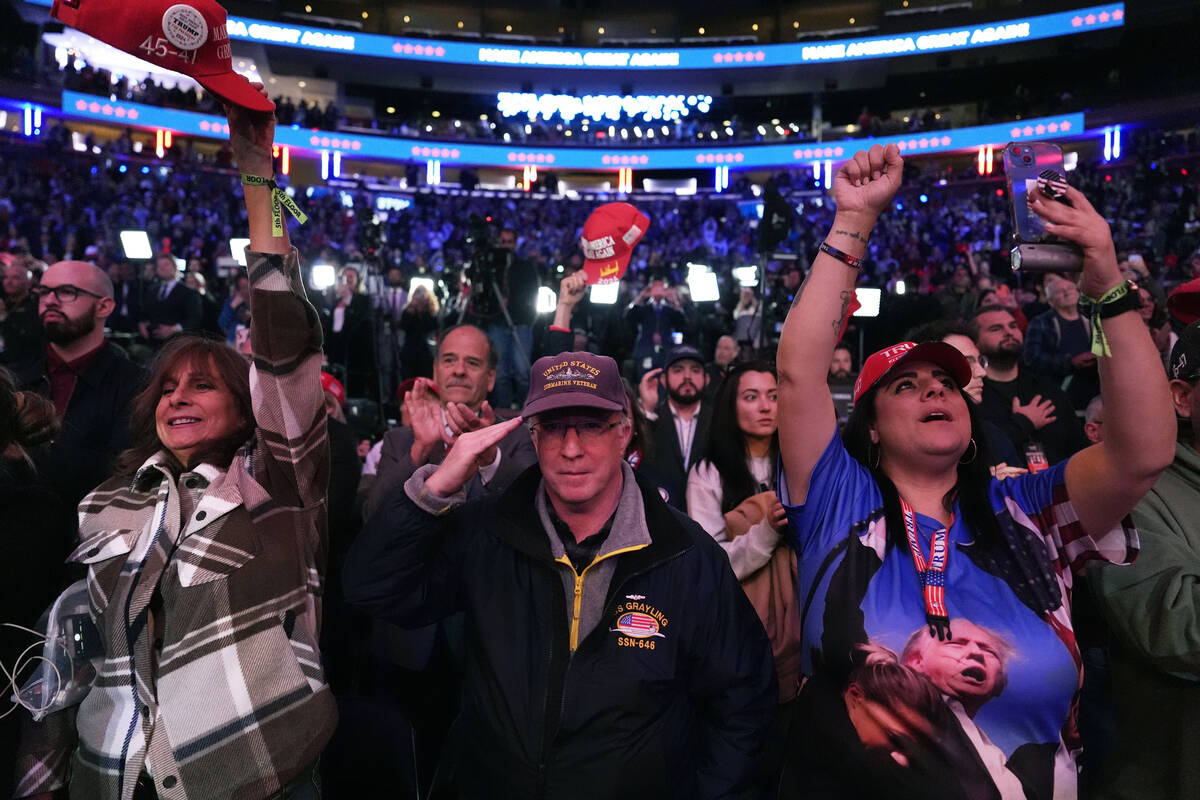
(1037, 167)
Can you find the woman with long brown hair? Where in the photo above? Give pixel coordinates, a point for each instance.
(205, 556)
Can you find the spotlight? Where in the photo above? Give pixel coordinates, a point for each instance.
(323, 276)
(136, 245)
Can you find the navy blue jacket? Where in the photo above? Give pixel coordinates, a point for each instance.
(689, 718)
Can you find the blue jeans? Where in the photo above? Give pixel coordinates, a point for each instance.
(512, 367)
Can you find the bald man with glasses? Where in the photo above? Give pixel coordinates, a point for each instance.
(90, 381)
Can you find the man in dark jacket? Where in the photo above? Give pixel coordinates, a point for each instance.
(610, 650)
(20, 333)
(680, 422)
(1035, 414)
(92, 383)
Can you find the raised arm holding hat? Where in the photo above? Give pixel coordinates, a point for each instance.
(190, 38)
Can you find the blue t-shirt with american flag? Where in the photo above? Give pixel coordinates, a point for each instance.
(887, 707)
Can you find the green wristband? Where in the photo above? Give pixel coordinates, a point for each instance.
(279, 201)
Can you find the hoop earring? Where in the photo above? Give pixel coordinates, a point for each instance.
(873, 462)
(974, 453)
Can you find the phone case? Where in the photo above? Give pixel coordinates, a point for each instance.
(1026, 165)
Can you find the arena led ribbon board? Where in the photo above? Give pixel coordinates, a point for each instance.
(940, 40)
(449, 153)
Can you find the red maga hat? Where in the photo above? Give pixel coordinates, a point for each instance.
(189, 38)
(334, 387)
(884, 361)
(608, 239)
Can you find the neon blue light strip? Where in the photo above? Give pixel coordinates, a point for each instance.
(384, 148)
(1045, 26)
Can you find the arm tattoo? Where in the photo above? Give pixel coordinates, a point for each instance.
(837, 323)
(853, 235)
(799, 292)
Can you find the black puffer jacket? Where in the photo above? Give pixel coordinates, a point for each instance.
(686, 719)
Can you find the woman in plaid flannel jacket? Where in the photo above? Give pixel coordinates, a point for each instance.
(205, 560)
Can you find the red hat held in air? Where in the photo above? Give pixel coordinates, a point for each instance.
(189, 38)
(609, 236)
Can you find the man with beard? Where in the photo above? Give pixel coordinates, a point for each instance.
(680, 423)
(1035, 414)
(90, 382)
(841, 382)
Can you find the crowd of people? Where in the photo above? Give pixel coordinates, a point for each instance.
(389, 532)
(727, 123)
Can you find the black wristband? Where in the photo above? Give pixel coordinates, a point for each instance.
(1130, 301)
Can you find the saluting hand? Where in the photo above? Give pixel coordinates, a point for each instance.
(462, 462)
(462, 419)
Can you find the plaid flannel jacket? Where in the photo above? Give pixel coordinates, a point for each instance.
(237, 703)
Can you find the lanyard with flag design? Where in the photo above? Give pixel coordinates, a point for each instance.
(932, 575)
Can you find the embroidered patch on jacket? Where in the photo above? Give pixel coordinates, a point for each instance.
(639, 623)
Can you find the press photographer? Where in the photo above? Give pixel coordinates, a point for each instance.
(503, 301)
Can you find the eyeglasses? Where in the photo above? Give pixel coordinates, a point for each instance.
(981, 361)
(589, 432)
(65, 293)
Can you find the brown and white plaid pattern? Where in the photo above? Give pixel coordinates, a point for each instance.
(231, 701)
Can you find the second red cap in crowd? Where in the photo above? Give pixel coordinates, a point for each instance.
(608, 239)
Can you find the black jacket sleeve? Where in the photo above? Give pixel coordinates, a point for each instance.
(405, 565)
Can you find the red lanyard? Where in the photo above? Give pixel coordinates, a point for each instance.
(932, 575)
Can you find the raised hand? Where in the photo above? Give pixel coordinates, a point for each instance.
(867, 183)
(251, 135)
(462, 419)
(462, 462)
(571, 289)
(424, 414)
(648, 389)
(1080, 223)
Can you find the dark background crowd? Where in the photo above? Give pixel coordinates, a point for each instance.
(939, 260)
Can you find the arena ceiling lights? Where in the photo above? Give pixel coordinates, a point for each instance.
(601, 106)
(454, 153)
(1024, 29)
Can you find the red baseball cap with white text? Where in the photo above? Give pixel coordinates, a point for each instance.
(609, 236)
(186, 37)
(940, 354)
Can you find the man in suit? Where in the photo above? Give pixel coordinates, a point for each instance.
(169, 306)
(464, 371)
(656, 316)
(679, 423)
(414, 670)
